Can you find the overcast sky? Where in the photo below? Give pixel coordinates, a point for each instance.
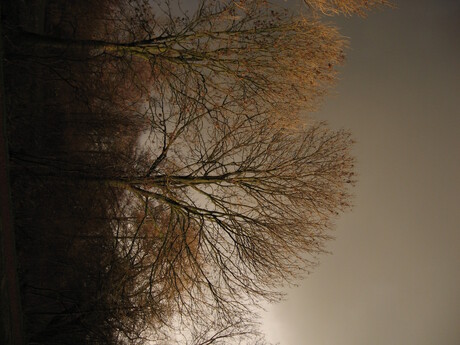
(394, 275)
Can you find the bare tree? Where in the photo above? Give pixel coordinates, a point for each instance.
(222, 209)
(240, 51)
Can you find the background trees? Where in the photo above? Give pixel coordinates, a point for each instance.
(165, 148)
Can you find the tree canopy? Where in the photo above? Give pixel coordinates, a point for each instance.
(232, 53)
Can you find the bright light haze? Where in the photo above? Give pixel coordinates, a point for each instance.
(394, 275)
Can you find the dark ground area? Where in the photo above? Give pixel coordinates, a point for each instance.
(11, 316)
(63, 236)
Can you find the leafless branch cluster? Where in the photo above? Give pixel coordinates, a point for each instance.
(233, 204)
(346, 7)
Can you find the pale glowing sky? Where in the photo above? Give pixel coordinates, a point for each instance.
(394, 275)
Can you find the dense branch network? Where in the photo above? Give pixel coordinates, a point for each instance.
(210, 190)
(240, 52)
(233, 202)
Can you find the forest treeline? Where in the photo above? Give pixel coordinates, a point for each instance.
(163, 181)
